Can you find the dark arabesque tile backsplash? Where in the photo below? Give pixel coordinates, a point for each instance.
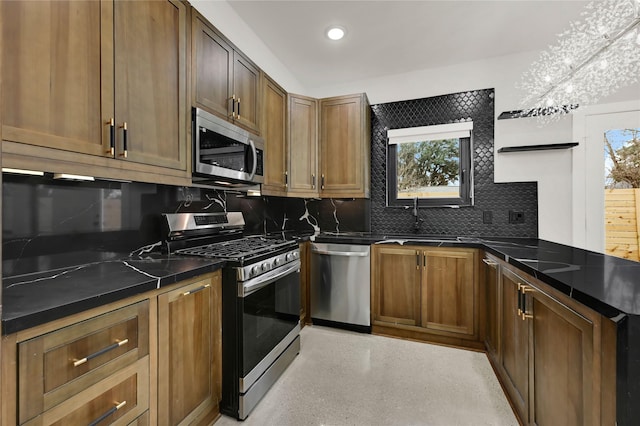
(41, 215)
(478, 106)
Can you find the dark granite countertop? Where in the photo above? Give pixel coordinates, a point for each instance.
(40, 289)
(606, 284)
(44, 288)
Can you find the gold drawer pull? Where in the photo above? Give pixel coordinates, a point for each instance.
(117, 344)
(118, 405)
(186, 293)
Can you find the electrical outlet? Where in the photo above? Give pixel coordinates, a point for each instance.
(516, 216)
(487, 216)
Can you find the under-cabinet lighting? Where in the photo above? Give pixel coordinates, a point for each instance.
(73, 177)
(22, 172)
(254, 192)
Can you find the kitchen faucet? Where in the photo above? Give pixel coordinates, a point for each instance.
(418, 221)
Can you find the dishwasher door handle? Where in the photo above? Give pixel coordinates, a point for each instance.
(341, 253)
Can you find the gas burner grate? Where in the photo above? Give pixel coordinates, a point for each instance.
(236, 249)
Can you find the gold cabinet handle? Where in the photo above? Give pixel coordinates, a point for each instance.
(186, 293)
(238, 115)
(523, 290)
(322, 181)
(233, 106)
(112, 137)
(117, 344)
(489, 262)
(313, 181)
(286, 179)
(124, 140)
(116, 407)
(417, 260)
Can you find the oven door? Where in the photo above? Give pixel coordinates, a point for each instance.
(270, 311)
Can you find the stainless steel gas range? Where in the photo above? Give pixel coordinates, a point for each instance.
(260, 296)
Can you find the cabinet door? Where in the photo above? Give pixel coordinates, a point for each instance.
(342, 144)
(150, 81)
(189, 351)
(514, 346)
(246, 87)
(57, 74)
(563, 370)
(274, 132)
(448, 291)
(303, 146)
(212, 68)
(492, 302)
(396, 290)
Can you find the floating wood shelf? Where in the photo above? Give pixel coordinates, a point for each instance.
(538, 147)
(540, 111)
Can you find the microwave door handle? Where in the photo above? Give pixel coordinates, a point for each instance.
(255, 159)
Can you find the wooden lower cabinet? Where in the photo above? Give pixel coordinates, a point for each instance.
(305, 302)
(551, 358)
(190, 352)
(155, 358)
(396, 286)
(492, 302)
(514, 338)
(425, 293)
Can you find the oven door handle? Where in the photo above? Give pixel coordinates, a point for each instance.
(251, 286)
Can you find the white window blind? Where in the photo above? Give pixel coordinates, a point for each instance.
(430, 133)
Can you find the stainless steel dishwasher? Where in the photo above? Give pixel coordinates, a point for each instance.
(340, 289)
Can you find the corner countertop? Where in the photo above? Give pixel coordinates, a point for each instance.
(44, 288)
(606, 284)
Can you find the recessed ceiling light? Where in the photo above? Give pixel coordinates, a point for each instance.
(335, 33)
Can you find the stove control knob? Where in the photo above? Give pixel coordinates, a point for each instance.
(255, 270)
(288, 257)
(295, 254)
(277, 261)
(265, 266)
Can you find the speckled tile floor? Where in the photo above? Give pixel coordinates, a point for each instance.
(344, 378)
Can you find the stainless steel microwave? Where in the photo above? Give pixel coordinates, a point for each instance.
(225, 154)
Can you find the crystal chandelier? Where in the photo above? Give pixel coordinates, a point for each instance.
(592, 59)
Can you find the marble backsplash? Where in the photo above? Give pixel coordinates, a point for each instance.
(41, 215)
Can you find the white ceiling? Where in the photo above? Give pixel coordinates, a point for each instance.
(393, 37)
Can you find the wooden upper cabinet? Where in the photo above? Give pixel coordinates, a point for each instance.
(274, 132)
(303, 146)
(448, 291)
(226, 82)
(246, 88)
(396, 286)
(71, 68)
(57, 74)
(345, 133)
(150, 46)
(212, 61)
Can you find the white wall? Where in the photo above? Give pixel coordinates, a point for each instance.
(229, 23)
(553, 170)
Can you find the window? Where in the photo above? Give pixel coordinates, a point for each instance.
(431, 163)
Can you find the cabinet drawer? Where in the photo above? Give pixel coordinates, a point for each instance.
(118, 399)
(57, 365)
